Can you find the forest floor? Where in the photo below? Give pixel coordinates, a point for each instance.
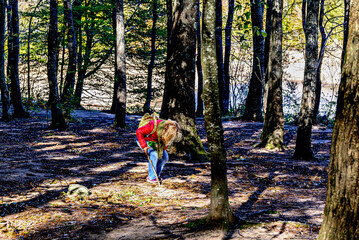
(276, 196)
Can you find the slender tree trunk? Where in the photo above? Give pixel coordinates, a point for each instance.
(120, 72)
(179, 96)
(220, 214)
(58, 120)
(5, 95)
(199, 111)
(227, 56)
(303, 148)
(67, 97)
(318, 89)
(13, 60)
(78, 14)
(147, 105)
(253, 109)
(266, 52)
(219, 54)
(62, 65)
(345, 27)
(273, 128)
(341, 216)
(114, 106)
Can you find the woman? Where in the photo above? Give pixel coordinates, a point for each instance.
(155, 143)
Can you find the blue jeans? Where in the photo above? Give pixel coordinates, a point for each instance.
(158, 164)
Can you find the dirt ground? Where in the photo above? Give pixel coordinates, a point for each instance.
(278, 197)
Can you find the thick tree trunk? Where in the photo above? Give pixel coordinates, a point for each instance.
(67, 97)
(227, 56)
(5, 95)
(303, 149)
(341, 216)
(13, 60)
(199, 110)
(147, 105)
(220, 214)
(120, 71)
(273, 129)
(58, 120)
(179, 96)
(219, 54)
(253, 109)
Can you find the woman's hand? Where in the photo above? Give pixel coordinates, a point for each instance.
(145, 149)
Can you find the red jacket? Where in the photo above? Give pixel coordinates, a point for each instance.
(143, 132)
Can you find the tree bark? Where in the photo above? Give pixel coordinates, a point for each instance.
(5, 95)
(67, 97)
(151, 65)
(179, 96)
(303, 149)
(13, 60)
(273, 128)
(266, 53)
(58, 120)
(253, 109)
(341, 216)
(227, 56)
(199, 110)
(220, 214)
(219, 54)
(120, 71)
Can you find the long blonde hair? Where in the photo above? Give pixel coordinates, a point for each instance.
(170, 130)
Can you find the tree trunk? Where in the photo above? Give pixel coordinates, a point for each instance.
(303, 149)
(58, 120)
(345, 28)
(78, 14)
(273, 128)
(13, 60)
(199, 110)
(67, 97)
(227, 56)
(147, 105)
(179, 96)
(253, 109)
(266, 53)
(341, 218)
(220, 214)
(120, 71)
(5, 95)
(219, 54)
(318, 89)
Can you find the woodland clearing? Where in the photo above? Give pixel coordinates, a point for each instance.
(278, 197)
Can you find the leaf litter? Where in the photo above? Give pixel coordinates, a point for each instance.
(276, 196)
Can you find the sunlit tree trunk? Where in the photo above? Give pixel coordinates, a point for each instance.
(220, 214)
(179, 96)
(227, 55)
(5, 98)
(268, 31)
(199, 110)
(253, 106)
(273, 128)
(341, 213)
(120, 71)
(13, 60)
(58, 120)
(67, 97)
(303, 148)
(151, 65)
